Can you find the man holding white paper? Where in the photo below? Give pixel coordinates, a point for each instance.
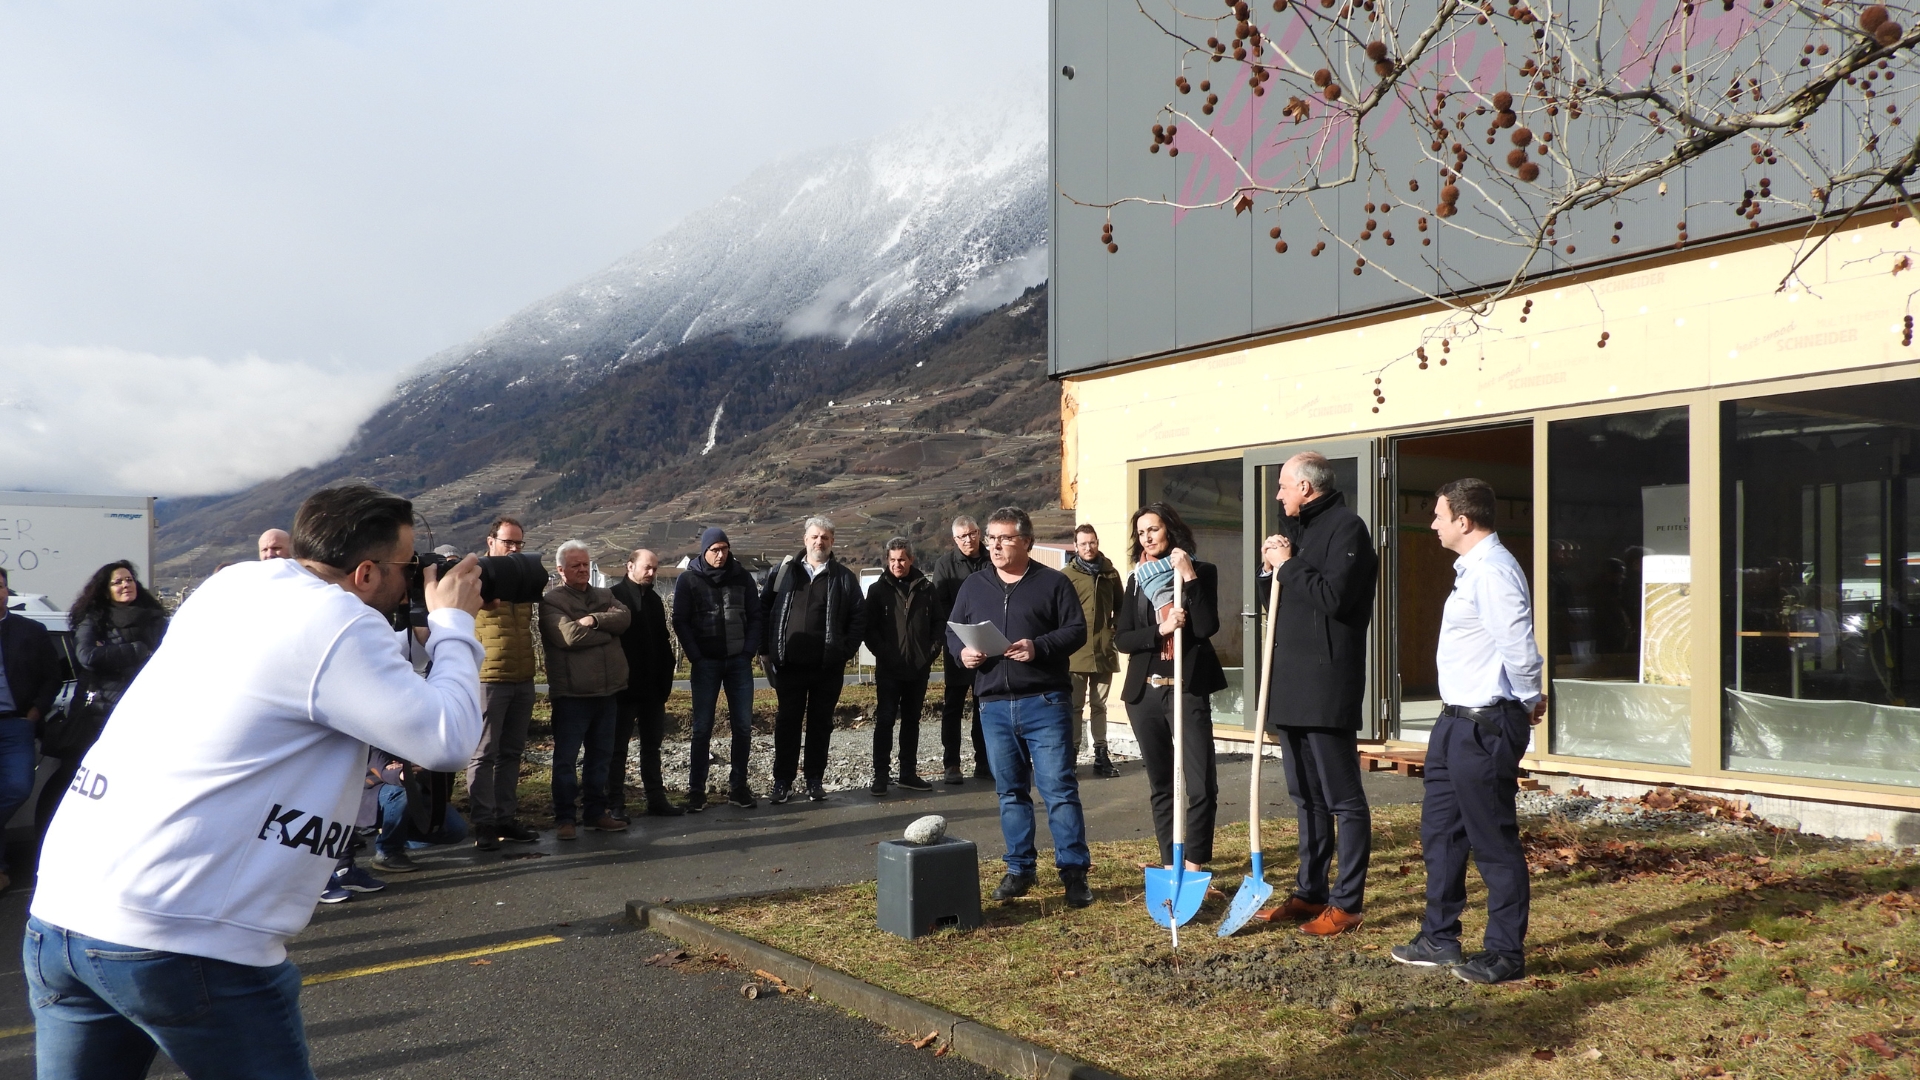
(1017, 629)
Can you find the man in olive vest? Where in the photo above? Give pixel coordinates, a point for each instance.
(506, 701)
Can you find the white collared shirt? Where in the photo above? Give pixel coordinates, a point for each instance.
(812, 570)
(1486, 648)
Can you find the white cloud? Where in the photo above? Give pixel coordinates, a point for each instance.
(113, 422)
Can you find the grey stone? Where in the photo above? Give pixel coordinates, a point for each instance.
(926, 830)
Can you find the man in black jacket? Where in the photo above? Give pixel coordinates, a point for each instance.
(1024, 692)
(30, 677)
(904, 637)
(642, 707)
(815, 622)
(716, 616)
(1327, 566)
(950, 570)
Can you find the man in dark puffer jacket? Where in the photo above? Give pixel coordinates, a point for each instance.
(716, 616)
(815, 621)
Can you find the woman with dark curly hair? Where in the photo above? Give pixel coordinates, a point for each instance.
(117, 625)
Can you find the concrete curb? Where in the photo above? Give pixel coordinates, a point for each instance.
(970, 1039)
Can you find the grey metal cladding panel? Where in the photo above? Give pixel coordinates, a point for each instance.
(1213, 247)
(1381, 180)
(1142, 279)
(1077, 291)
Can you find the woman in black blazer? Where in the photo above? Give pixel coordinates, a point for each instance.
(1163, 546)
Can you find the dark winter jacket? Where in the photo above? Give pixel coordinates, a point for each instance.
(1138, 635)
(950, 571)
(1041, 606)
(1320, 633)
(649, 652)
(902, 633)
(841, 613)
(34, 670)
(1100, 599)
(113, 645)
(716, 613)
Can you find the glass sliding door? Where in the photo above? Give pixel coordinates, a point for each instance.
(1207, 496)
(1822, 546)
(1356, 471)
(1619, 605)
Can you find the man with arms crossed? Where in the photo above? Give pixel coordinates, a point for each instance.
(1023, 701)
(1490, 681)
(200, 828)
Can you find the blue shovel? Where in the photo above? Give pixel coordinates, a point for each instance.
(1254, 890)
(1174, 894)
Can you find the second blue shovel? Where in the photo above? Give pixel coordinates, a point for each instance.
(1174, 893)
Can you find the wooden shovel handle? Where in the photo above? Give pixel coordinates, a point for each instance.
(1260, 714)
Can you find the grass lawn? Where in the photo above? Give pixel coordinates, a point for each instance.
(1743, 952)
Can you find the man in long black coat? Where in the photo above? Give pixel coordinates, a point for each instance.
(642, 707)
(1328, 567)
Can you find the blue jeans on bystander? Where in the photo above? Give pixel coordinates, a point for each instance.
(735, 674)
(1030, 743)
(577, 722)
(398, 834)
(101, 1010)
(17, 759)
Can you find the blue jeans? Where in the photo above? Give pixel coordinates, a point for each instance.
(100, 1011)
(17, 758)
(1029, 743)
(397, 834)
(735, 673)
(579, 721)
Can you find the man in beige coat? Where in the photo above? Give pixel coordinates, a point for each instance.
(580, 625)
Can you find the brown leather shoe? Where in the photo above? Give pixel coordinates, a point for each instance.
(1294, 910)
(1330, 922)
(565, 831)
(609, 823)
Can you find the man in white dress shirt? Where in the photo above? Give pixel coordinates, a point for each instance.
(1490, 681)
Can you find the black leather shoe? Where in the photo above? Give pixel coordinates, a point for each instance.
(1013, 885)
(781, 793)
(663, 808)
(816, 793)
(1421, 952)
(913, 783)
(486, 838)
(1102, 764)
(1490, 968)
(981, 771)
(517, 833)
(1079, 893)
(953, 775)
(878, 789)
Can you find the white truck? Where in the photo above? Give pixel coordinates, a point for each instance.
(50, 544)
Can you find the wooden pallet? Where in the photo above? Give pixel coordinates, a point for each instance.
(1413, 763)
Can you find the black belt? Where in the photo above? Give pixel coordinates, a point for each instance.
(1489, 715)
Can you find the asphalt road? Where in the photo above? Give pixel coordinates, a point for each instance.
(587, 1005)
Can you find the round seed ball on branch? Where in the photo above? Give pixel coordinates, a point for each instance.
(1529, 172)
(1872, 16)
(1503, 101)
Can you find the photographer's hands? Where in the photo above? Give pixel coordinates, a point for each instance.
(458, 588)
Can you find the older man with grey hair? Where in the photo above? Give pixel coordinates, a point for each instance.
(580, 625)
(815, 621)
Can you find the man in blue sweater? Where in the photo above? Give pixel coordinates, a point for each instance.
(1024, 694)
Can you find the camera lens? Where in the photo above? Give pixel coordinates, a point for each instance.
(516, 579)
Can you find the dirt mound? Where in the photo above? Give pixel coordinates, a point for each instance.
(1342, 980)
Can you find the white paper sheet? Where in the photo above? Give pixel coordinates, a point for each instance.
(984, 637)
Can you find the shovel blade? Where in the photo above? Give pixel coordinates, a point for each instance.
(1175, 896)
(1253, 896)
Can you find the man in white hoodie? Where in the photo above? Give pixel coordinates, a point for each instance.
(198, 831)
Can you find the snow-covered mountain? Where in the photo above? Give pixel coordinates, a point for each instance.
(887, 237)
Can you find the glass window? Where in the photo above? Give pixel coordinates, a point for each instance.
(1822, 647)
(1207, 496)
(1619, 613)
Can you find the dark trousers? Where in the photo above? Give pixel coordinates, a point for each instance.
(581, 723)
(902, 698)
(1472, 772)
(735, 675)
(648, 720)
(493, 775)
(1152, 720)
(807, 697)
(957, 692)
(1323, 779)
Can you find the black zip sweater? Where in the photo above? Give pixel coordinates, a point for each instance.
(1042, 606)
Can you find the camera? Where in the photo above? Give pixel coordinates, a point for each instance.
(516, 579)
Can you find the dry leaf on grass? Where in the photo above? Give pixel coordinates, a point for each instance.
(1543, 1055)
(1876, 1043)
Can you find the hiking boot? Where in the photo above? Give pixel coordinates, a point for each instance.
(514, 832)
(354, 879)
(1079, 893)
(782, 791)
(1487, 968)
(1294, 910)
(1422, 952)
(566, 830)
(1012, 886)
(953, 775)
(606, 822)
(913, 782)
(1102, 764)
(878, 789)
(816, 793)
(662, 808)
(1330, 922)
(394, 862)
(742, 796)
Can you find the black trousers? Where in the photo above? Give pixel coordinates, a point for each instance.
(900, 698)
(1471, 774)
(958, 693)
(1152, 720)
(807, 697)
(649, 721)
(1323, 779)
